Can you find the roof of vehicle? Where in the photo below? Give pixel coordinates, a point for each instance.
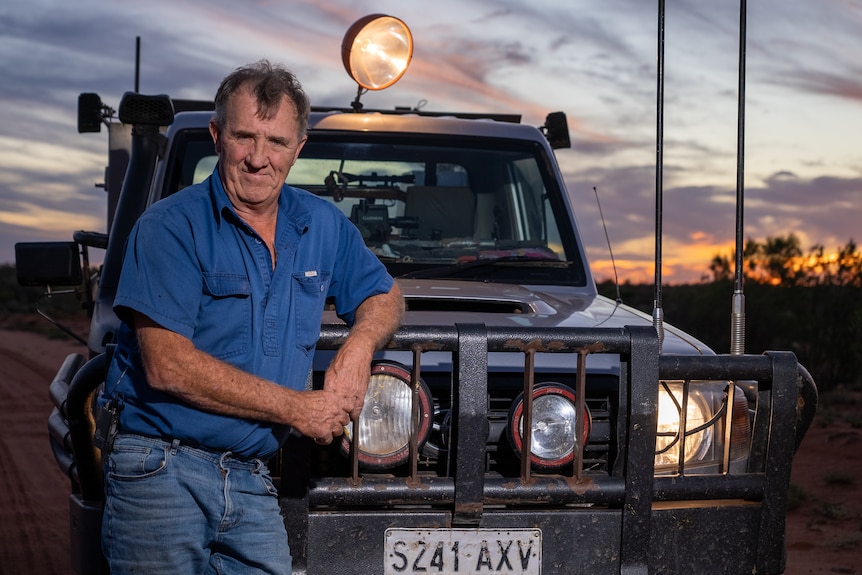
(490, 125)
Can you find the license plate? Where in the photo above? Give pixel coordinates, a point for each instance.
(463, 551)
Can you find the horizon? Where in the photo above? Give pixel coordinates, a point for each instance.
(593, 59)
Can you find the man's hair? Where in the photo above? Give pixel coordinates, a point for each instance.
(269, 84)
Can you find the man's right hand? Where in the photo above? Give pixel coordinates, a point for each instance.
(322, 415)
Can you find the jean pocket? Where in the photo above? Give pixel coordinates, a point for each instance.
(130, 462)
(268, 484)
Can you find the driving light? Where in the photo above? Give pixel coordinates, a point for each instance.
(376, 51)
(667, 443)
(554, 426)
(706, 448)
(385, 423)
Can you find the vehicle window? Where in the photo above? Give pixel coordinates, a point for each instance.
(203, 168)
(424, 204)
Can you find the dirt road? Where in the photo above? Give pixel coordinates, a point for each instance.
(824, 532)
(34, 530)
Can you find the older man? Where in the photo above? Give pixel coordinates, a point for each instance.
(221, 295)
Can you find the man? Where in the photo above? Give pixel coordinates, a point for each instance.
(221, 294)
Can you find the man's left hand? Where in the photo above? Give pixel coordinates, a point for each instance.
(348, 375)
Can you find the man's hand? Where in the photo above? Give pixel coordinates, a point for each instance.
(322, 415)
(348, 375)
(377, 318)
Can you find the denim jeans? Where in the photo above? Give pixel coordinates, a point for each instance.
(175, 509)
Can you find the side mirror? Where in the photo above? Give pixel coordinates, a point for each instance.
(48, 264)
(89, 113)
(556, 129)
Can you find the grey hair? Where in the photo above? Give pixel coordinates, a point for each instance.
(268, 83)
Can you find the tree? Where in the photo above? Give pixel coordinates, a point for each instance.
(720, 268)
(807, 303)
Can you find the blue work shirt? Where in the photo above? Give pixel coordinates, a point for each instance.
(194, 267)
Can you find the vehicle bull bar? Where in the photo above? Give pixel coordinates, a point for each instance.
(785, 403)
(785, 399)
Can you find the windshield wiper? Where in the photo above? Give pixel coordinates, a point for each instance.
(438, 272)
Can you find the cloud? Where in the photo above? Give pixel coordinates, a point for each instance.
(699, 222)
(593, 59)
(826, 83)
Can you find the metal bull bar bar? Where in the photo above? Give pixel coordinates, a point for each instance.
(634, 489)
(470, 345)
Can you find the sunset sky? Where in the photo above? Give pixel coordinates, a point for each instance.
(593, 59)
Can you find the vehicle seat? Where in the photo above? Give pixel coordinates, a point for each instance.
(441, 212)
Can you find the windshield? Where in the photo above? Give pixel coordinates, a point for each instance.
(481, 209)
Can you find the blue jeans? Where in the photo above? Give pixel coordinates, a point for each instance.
(175, 509)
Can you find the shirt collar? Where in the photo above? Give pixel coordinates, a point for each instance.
(290, 208)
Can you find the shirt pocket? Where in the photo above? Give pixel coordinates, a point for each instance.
(225, 315)
(310, 289)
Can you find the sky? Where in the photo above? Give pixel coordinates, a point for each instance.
(595, 60)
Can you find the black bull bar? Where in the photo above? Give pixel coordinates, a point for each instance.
(785, 402)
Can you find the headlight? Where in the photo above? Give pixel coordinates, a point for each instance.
(668, 439)
(385, 423)
(554, 426)
(704, 438)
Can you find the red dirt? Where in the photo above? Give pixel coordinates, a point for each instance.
(34, 493)
(824, 533)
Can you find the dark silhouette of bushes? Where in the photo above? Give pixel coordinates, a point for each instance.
(18, 305)
(807, 303)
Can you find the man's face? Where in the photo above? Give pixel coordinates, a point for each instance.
(255, 154)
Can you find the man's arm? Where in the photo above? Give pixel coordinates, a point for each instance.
(376, 319)
(174, 365)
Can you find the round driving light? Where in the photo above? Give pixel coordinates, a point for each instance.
(376, 51)
(667, 442)
(553, 426)
(385, 423)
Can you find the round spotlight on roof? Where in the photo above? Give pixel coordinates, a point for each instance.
(376, 51)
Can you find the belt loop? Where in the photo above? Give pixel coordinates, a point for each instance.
(175, 444)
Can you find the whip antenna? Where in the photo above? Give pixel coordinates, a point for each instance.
(610, 250)
(657, 313)
(137, 64)
(737, 319)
